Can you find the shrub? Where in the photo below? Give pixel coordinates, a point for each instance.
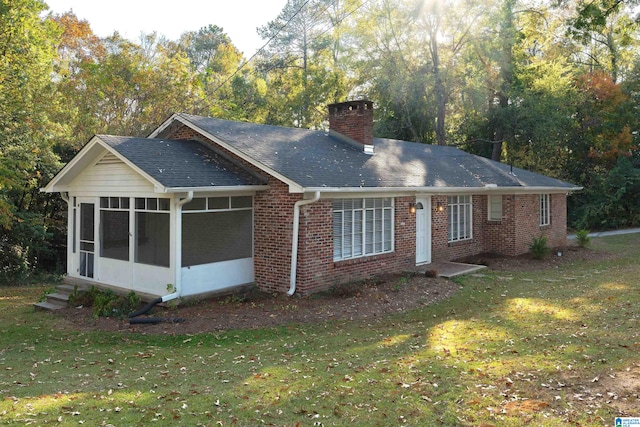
(538, 247)
(105, 303)
(582, 236)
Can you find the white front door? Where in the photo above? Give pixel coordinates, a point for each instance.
(423, 230)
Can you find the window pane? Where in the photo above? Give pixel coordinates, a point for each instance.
(210, 237)
(387, 231)
(140, 203)
(197, 204)
(218, 203)
(124, 203)
(115, 234)
(152, 243)
(164, 205)
(357, 233)
(86, 222)
(337, 235)
(241, 202)
(114, 202)
(152, 204)
(104, 202)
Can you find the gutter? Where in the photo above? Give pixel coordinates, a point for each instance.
(489, 188)
(178, 256)
(294, 240)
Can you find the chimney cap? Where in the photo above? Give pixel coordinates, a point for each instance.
(363, 104)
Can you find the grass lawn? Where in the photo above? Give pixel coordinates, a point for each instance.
(555, 347)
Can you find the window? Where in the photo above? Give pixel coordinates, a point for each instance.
(495, 208)
(114, 228)
(362, 227)
(545, 210)
(216, 229)
(460, 222)
(152, 231)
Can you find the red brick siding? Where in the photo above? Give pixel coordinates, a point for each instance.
(273, 231)
(500, 236)
(511, 236)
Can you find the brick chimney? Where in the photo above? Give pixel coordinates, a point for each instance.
(353, 120)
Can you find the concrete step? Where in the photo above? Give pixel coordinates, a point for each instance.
(48, 306)
(58, 298)
(67, 289)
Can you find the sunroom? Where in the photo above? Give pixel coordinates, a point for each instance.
(163, 218)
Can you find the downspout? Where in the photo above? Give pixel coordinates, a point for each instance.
(65, 196)
(178, 257)
(294, 240)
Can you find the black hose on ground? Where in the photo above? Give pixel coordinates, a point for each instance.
(146, 308)
(135, 320)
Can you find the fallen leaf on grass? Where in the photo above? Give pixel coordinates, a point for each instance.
(518, 406)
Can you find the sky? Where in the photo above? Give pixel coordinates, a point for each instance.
(238, 18)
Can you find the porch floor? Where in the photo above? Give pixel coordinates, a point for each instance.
(449, 269)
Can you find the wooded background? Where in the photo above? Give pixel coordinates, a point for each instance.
(551, 86)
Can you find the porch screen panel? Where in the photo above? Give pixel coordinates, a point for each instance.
(209, 237)
(152, 242)
(114, 226)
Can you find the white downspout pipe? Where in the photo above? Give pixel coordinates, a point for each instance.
(294, 240)
(178, 255)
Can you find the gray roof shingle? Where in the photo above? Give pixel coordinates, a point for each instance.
(180, 164)
(315, 159)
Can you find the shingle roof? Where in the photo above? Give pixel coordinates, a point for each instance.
(177, 164)
(315, 159)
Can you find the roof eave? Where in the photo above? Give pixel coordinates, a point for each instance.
(213, 189)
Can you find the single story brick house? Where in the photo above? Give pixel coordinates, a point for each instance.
(205, 205)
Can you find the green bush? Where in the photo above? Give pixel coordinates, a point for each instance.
(105, 303)
(538, 247)
(583, 239)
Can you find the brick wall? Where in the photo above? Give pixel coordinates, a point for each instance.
(500, 236)
(511, 236)
(353, 119)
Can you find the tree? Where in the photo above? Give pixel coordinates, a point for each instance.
(27, 160)
(300, 63)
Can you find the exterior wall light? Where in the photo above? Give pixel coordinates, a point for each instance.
(439, 207)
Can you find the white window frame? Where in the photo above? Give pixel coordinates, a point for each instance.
(364, 228)
(460, 218)
(494, 207)
(545, 210)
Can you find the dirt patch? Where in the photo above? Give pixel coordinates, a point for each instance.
(369, 299)
(255, 309)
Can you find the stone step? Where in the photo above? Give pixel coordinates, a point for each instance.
(67, 289)
(58, 298)
(48, 306)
